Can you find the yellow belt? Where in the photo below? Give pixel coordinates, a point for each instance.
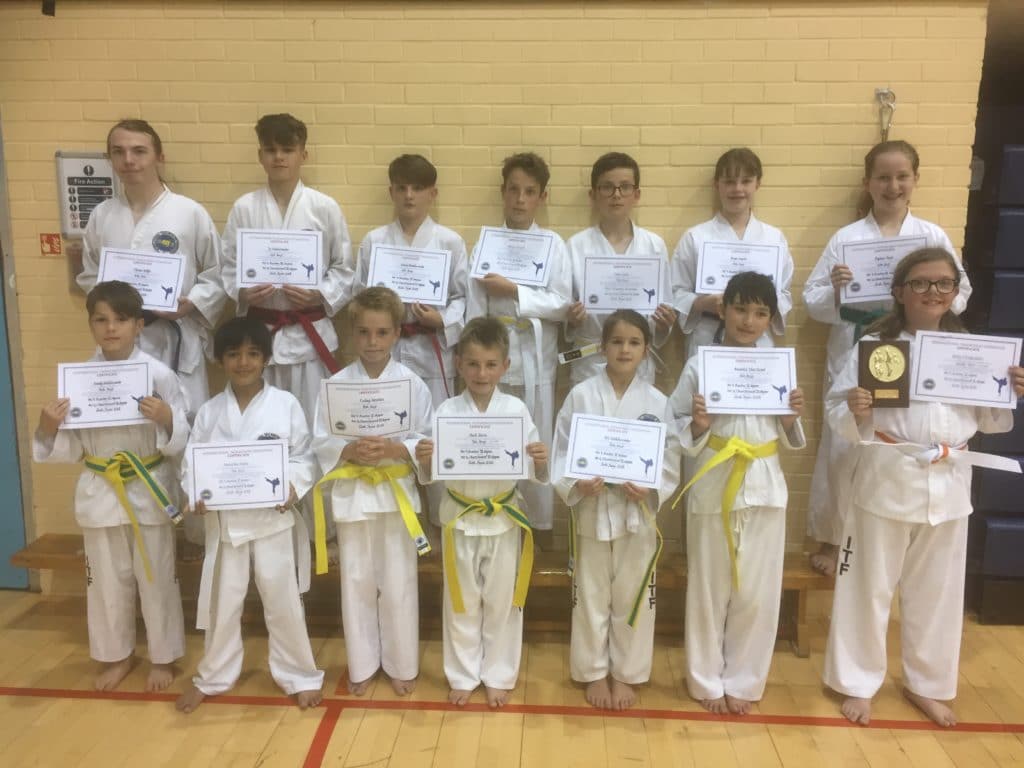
(390, 473)
(488, 507)
(123, 467)
(741, 453)
(520, 324)
(531, 372)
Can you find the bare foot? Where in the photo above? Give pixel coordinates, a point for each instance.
(333, 558)
(598, 694)
(824, 560)
(496, 697)
(623, 696)
(160, 676)
(403, 687)
(737, 706)
(192, 552)
(857, 711)
(190, 700)
(113, 673)
(458, 697)
(307, 699)
(936, 711)
(715, 706)
(358, 689)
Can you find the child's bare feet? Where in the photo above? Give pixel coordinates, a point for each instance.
(333, 558)
(192, 552)
(190, 700)
(857, 711)
(496, 697)
(160, 676)
(308, 699)
(936, 711)
(113, 673)
(623, 696)
(403, 687)
(737, 706)
(358, 689)
(824, 560)
(458, 697)
(599, 694)
(715, 706)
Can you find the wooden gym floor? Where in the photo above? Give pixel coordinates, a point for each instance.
(49, 716)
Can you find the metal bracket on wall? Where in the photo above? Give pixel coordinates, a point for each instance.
(886, 99)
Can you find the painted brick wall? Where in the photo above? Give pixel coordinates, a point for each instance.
(466, 83)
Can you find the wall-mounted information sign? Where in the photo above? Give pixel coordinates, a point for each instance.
(84, 180)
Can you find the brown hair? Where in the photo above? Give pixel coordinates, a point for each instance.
(629, 317)
(136, 125)
(738, 161)
(412, 169)
(121, 297)
(864, 202)
(890, 326)
(378, 299)
(609, 162)
(283, 129)
(531, 164)
(488, 332)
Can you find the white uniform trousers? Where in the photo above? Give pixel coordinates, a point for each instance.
(605, 586)
(538, 499)
(114, 570)
(824, 512)
(730, 633)
(379, 597)
(485, 643)
(291, 658)
(928, 563)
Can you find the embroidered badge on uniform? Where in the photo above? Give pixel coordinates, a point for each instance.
(647, 417)
(165, 242)
(269, 436)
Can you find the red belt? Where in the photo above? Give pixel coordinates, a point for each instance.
(279, 318)
(415, 329)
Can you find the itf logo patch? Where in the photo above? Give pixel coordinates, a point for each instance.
(165, 242)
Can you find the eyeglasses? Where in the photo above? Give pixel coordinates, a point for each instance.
(607, 189)
(945, 285)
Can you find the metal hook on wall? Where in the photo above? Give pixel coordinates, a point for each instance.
(886, 99)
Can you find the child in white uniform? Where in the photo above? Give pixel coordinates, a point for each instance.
(738, 175)
(734, 568)
(614, 192)
(616, 536)
(908, 500)
(890, 175)
(300, 318)
(126, 523)
(532, 313)
(374, 502)
(250, 409)
(487, 563)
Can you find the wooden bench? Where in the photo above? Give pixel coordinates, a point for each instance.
(64, 552)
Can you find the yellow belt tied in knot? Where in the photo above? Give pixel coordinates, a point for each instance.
(520, 324)
(488, 508)
(390, 473)
(123, 467)
(741, 453)
(652, 564)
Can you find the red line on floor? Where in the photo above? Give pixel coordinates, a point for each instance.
(322, 737)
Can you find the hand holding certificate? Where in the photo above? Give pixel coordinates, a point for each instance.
(279, 257)
(622, 283)
(156, 276)
(872, 263)
(479, 448)
(105, 394)
(249, 475)
(417, 275)
(618, 450)
(521, 256)
(368, 408)
(718, 262)
(965, 369)
(747, 380)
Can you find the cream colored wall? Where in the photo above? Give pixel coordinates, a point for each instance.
(466, 83)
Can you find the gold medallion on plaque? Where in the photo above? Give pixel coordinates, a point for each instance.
(883, 371)
(887, 363)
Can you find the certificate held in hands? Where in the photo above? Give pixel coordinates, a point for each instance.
(884, 371)
(368, 408)
(417, 275)
(279, 257)
(747, 380)
(964, 369)
(618, 450)
(156, 276)
(617, 283)
(249, 475)
(522, 257)
(479, 448)
(105, 394)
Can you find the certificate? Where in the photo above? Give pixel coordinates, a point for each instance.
(521, 256)
(619, 450)
(717, 262)
(251, 475)
(963, 368)
(417, 275)
(611, 283)
(280, 257)
(749, 380)
(156, 276)
(872, 263)
(479, 448)
(364, 408)
(105, 394)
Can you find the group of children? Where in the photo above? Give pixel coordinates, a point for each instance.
(500, 338)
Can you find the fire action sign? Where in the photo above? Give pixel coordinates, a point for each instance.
(84, 180)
